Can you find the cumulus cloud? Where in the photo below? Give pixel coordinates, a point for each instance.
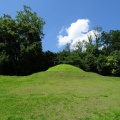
(76, 32)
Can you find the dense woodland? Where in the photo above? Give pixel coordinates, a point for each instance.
(21, 48)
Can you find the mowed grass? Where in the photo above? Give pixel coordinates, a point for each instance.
(60, 95)
(65, 67)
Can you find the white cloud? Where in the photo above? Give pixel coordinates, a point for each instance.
(78, 31)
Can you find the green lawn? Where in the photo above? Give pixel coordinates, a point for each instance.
(60, 95)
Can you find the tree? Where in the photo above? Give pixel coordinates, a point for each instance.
(78, 46)
(115, 39)
(21, 43)
(106, 43)
(9, 44)
(97, 33)
(90, 61)
(110, 41)
(62, 56)
(101, 65)
(30, 30)
(49, 59)
(114, 62)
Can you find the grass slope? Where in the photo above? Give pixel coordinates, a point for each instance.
(57, 95)
(65, 67)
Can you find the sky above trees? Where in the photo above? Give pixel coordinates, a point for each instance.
(68, 20)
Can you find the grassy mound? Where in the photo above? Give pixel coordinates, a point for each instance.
(60, 96)
(65, 67)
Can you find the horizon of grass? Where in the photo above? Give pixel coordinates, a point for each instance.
(56, 95)
(65, 67)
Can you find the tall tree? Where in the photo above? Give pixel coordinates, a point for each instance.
(97, 33)
(21, 43)
(8, 43)
(106, 43)
(115, 39)
(30, 30)
(110, 41)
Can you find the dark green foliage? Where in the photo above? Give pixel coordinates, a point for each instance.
(102, 57)
(49, 59)
(20, 43)
(115, 39)
(63, 56)
(115, 62)
(90, 61)
(21, 48)
(102, 66)
(110, 41)
(8, 45)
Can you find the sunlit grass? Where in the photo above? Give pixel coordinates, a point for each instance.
(65, 67)
(60, 95)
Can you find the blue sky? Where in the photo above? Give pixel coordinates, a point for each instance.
(65, 19)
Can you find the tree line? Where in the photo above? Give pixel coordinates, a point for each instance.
(21, 48)
(101, 56)
(21, 43)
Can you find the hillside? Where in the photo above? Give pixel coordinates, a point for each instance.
(65, 67)
(60, 93)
